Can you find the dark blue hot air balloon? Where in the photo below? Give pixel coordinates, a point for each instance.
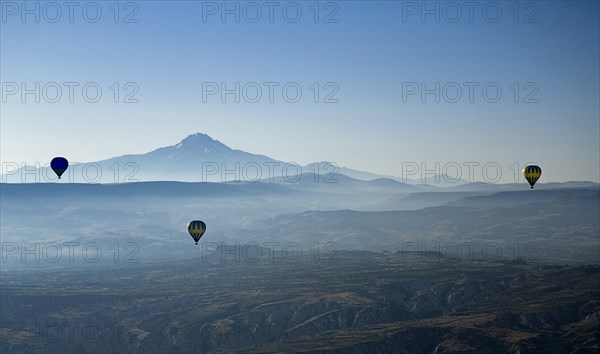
(59, 165)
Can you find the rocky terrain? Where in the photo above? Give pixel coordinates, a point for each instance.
(345, 302)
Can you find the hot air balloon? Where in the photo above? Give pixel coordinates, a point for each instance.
(59, 165)
(196, 228)
(532, 173)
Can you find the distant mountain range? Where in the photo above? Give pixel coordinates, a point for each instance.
(200, 158)
(197, 158)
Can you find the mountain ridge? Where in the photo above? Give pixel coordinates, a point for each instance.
(200, 158)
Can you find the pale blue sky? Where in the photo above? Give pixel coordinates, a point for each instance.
(369, 53)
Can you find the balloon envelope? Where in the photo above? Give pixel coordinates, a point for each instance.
(532, 173)
(59, 165)
(196, 228)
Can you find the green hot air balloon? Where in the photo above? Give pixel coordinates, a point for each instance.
(532, 173)
(196, 228)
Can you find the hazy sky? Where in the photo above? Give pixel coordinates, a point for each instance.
(374, 58)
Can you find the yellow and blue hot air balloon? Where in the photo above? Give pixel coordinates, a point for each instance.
(59, 165)
(532, 173)
(196, 228)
